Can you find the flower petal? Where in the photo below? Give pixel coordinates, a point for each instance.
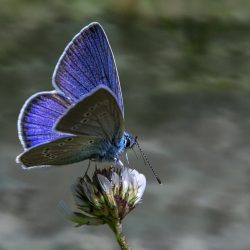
(104, 183)
(106, 190)
(125, 181)
(141, 186)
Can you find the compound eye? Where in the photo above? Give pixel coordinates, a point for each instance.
(127, 143)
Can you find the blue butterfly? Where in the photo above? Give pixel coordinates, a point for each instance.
(83, 118)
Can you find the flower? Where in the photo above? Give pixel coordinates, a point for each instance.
(108, 196)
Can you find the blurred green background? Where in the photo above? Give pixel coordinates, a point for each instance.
(184, 70)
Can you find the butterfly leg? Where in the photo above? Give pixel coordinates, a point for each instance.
(113, 164)
(86, 172)
(119, 162)
(126, 155)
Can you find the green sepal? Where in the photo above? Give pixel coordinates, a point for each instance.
(82, 219)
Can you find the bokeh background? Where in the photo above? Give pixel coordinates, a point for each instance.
(184, 69)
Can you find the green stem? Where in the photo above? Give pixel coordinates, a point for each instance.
(117, 229)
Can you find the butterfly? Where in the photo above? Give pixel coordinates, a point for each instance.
(83, 118)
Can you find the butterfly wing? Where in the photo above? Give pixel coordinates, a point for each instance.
(62, 151)
(96, 115)
(85, 69)
(38, 116)
(87, 62)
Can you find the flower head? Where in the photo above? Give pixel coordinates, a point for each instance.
(108, 196)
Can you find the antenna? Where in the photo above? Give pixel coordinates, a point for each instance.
(146, 162)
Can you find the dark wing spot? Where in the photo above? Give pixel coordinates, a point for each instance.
(92, 108)
(69, 139)
(84, 120)
(46, 150)
(87, 114)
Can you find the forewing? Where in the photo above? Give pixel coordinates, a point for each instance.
(86, 63)
(62, 151)
(96, 115)
(38, 117)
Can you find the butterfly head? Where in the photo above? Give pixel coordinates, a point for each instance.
(129, 140)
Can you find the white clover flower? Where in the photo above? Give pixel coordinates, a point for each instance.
(108, 196)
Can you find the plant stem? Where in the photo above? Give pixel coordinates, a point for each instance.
(117, 229)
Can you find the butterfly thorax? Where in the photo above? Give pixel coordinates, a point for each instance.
(111, 151)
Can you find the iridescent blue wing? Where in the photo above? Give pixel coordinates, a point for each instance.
(97, 114)
(38, 117)
(62, 151)
(86, 63)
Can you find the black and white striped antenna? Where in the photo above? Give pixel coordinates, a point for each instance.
(146, 161)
